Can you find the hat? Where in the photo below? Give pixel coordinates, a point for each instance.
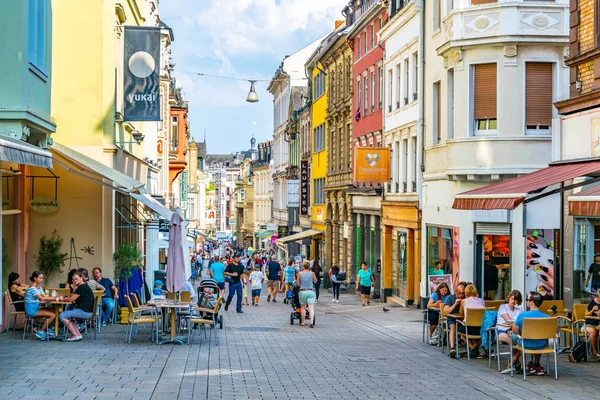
(597, 255)
(237, 255)
(158, 283)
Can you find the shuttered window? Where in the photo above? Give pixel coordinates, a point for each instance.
(538, 95)
(437, 107)
(485, 95)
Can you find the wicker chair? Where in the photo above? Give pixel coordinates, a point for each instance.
(473, 318)
(535, 329)
(14, 313)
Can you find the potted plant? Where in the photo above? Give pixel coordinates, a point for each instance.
(49, 258)
(127, 256)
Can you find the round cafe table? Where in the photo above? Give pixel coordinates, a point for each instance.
(171, 307)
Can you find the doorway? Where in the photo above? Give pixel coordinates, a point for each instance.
(492, 277)
(401, 263)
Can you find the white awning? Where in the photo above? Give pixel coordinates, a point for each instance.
(20, 152)
(299, 236)
(154, 205)
(80, 164)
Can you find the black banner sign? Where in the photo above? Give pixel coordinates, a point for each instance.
(304, 187)
(141, 74)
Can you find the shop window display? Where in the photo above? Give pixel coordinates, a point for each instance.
(443, 256)
(496, 266)
(586, 277)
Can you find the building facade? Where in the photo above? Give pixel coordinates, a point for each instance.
(263, 195)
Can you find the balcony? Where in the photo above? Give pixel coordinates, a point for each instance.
(364, 7)
(503, 22)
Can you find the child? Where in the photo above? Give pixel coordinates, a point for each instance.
(158, 288)
(256, 280)
(244, 289)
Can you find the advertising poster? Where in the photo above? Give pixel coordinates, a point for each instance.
(540, 261)
(455, 257)
(435, 280)
(371, 164)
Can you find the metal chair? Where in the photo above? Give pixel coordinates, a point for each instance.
(209, 317)
(14, 313)
(473, 318)
(136, 318)
(424, 301)
(535, 329)
(86, 320)
(29, 321)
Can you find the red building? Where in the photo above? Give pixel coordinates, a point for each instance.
(368, 72)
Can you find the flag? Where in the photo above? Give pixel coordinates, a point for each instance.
(358, 113)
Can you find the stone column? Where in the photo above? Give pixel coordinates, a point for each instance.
(387, 262)
(417, 267)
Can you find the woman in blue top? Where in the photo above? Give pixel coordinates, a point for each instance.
(364, 282)
(433, 309)
(33, 296)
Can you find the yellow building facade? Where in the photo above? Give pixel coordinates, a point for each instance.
(319, 150)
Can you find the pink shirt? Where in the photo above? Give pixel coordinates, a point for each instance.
(474, 302)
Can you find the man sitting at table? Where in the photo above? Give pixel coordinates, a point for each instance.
(110, 293)
(83, 299)
(452, 306)
(90, 282)
(534, 301)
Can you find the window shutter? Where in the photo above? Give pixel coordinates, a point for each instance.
(438, 125)
(538, 94)
(485, 97)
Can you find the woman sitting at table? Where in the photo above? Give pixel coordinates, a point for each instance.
(70, 279)
(17, 291)
(471, 301)
(593, 310)
(433, 309)
(507, 315)
(83, 299)
(33, 296)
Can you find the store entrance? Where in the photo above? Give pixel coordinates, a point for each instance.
(401, 264)
(493, 266)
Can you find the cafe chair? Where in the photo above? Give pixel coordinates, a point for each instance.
(98, 294)
(553, 308)
(14, 313)
(538, 328)
(424, 301)
(87, 321)
(208, 316)
(572, 327)
(494, 304)
(136, 318)
(473, 318)
(29, 323)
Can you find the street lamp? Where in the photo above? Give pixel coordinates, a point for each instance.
(252, 96)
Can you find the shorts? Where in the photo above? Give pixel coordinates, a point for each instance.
(307, 296)
(273, 284)
(75, 314)
(433, 317)
(221, 285)
(31, 309)
(289, 283)
(519, 342)
(366, 290)
(473, 330)
(255, 292)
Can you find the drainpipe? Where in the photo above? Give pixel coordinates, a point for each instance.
(421, 6)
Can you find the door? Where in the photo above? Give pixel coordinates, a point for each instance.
(401, 263)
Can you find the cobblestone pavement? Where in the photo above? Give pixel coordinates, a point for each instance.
(354, 352)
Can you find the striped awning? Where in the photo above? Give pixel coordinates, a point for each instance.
(21, 152)
(585, 203)
(507, 195)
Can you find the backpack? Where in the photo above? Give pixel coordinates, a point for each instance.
(579, 353)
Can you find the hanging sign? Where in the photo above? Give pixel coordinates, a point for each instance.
(184, 190)
(304, 187)
(141, 74)
(43, 204)
(371, 164)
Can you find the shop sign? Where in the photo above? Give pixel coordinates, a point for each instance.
(271, 226)
(371, 164)
(231, 221)
(498, 216)
(262, 227)
(282, 231)
(274, 240)
(184, 189)
(43, 204)
(304, 187)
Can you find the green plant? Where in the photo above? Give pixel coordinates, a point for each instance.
(49, 258)
(126, 256)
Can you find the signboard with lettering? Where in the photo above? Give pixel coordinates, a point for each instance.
(282, 231)
(498, 216)
(184, 189)
(371, 164)
(43, 204)
(304, 187)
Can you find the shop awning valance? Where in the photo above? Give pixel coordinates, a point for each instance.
(20, 152)
(585, 203)
(299, 236)
(153, 204)
(507, 195)
(74, 161)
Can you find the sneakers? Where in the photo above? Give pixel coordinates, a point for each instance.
(268, 298)
(337, 301)
(595, 358)
(239, 311)
(453, 352)
(531, 368)
(539, 370)
(433, 340)
(333, 300)
(474, 352)
(226, 306)
(273, 301)
(75, 339)
(41, 335)
(518, 367)
(103, 323)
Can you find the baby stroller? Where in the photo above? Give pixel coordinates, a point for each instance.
(288, 296)
(208, 294)
(295, 303)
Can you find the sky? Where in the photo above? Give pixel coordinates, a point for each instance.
(245, 39)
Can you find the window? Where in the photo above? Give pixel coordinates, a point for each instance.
(450, 95)
(538, 97)
(380, 88)
(406, 80)
(372, 28)
(484, 98)
(192, 209)
(389, 90)
(174, 133)
(396, 166)
(319, 138)
(405, 164)
(398, 85)
(319, 194)
(358, 47)
(437, 129)
(437, 14)
(319, 85)
(415, 78)
(414, 163)
(36, 43)
(358, 92)
(365, 44)
(372, 91)
(366, 94)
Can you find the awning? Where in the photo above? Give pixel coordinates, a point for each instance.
(153, 204)
(20, 152)
(299, 236)
(80, 164)
(507, 195)
(266, 234)
(585, 203)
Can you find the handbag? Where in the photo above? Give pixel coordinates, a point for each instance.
(229, 279)
(340, 276)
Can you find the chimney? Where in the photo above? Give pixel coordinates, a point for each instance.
(338, 23)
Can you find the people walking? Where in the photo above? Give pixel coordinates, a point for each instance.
(234, 272)
(335, 283)
(307, 293)
(274, 276)
(364, 282)
(318, 270)
(256, 280)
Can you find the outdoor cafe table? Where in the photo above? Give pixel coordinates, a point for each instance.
(58, 306)
(171, 307)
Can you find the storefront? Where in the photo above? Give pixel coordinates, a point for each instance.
(401, 251)
(366, 240)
